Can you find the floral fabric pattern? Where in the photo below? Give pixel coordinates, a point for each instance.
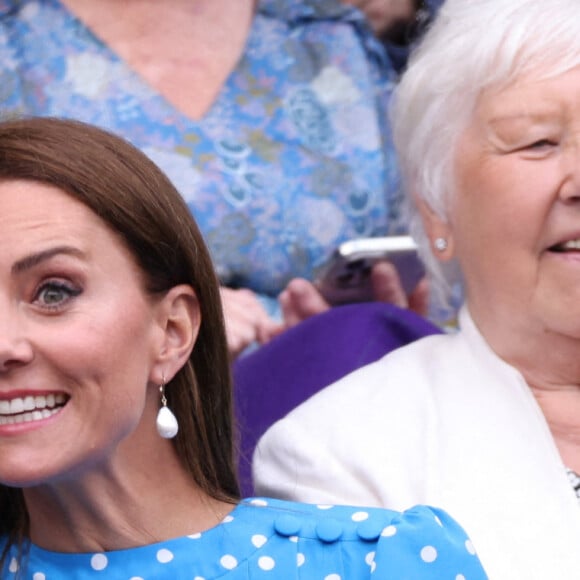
(294, 156)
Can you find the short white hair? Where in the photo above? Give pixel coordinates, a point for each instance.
(472, 45)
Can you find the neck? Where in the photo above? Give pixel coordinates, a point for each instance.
(120, 506)
(560, 405)
(550, 364)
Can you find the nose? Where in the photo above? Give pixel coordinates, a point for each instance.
(15, 349)
(570, 187)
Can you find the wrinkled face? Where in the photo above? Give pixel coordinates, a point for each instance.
(77, 338)
(515, 221)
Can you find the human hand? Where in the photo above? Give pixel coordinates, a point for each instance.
(387, 287)
(246, 320)
(382, 14)
(300, 300)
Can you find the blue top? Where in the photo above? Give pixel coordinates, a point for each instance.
(284, 540)
(294, 156)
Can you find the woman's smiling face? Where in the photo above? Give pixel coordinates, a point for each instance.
(515, 217)
(78, 338)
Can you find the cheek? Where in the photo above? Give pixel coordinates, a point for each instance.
(108, 345)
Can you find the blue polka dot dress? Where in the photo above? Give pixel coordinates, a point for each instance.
(279, 540)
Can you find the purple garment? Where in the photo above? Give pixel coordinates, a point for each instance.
(273, 380)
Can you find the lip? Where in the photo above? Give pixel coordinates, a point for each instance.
(564, 240)
(27, 410)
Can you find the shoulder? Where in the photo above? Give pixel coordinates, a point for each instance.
(402, 375)
(355, 542)
(324, 20)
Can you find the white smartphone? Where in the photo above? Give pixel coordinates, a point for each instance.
(345, 277)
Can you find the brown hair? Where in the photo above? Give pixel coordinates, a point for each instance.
(136, 200)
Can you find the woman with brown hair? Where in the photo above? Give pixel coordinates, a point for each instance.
(115, 407)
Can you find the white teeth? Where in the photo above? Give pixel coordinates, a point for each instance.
(16, 406)
(30, 407)
(570, 245)
(27, 417)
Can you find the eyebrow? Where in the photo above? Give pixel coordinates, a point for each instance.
(34, 259)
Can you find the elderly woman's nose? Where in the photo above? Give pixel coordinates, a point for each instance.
(570, 189)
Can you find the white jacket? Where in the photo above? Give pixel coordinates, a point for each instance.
(442, 421)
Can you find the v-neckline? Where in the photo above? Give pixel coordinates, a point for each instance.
(186, 119)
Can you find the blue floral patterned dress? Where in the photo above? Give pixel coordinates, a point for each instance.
(293, 157)
(280, 540)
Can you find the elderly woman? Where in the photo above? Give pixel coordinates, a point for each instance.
(485, 422)
(115, 415)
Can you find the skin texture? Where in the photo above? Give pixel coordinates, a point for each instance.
(518, 194)
(77, 321)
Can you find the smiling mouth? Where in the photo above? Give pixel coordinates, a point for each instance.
(31, 408)
(569, 246)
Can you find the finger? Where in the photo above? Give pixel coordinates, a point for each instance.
(419, 298)
(300, 300)
(386, 285)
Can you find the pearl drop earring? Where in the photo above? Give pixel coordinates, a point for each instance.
(167, 426)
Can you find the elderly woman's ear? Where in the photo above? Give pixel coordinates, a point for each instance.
(437, 229)
(178, 320)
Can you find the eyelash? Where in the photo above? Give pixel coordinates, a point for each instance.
(71, 291)
(540, 143)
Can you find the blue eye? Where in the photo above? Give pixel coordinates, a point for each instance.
(54, 294)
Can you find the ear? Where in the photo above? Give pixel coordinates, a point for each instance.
(178, 318)
(436, 228)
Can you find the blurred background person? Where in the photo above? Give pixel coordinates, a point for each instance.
(268, 116)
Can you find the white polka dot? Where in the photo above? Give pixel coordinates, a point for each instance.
(199, 578)
(164, 556)
(266, 563)
(332, 577)
(360, 516)
(300, 559)
(460, 577)
(428, 554)
(370, 558)
(194, 536)
(259, 540)
(389, 531)
(324, 507)
(38, 576)
(13, 567)
(228, 519)
(470, 548)
(99, 562)
(136, 578)
(228, 562)
(293, 539)
(260, 502)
